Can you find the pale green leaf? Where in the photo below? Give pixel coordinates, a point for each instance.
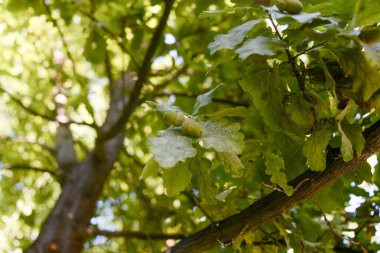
(150, 169)
(202, 180)
(302, 17)
(232, 38)
(275, 168)
(204, 99)
(165, 108)
(222, 139)
(346, 147)
(232, 163)
(170, 148)
(240, 111)
(315, 146)
(176, 179)
(259, 45)
(224, 194)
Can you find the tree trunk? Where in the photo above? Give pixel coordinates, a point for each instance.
(65, 228)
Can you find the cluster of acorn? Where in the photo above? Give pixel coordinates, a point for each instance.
(290, 6)
(189, 125)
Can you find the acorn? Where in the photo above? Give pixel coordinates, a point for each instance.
(370, 35)
(192, 128)
(173, 118)
(290, 6)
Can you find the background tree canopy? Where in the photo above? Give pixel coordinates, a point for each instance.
(189, 126)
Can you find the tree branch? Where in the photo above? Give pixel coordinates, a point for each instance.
(27, 167)
(272, 205)
(132, 234)
(143, 74)
(292, 59)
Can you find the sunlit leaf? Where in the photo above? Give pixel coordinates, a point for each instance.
(222, 139)
(204, 99)
(170, 148)
(232, 38)
(259, 45)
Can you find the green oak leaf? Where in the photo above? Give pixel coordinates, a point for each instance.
(239, 111)
(150, 169)
(170, 148)
(232, 38)
(355, 135)
(232, 163)
(346, 148)
(204, 99)
(222, 139)
(275, 168)
(176, 179)
(259, 45)
(364, 172)
(200, 168)
(315, 146)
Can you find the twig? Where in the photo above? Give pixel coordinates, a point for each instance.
(296, 236)
(195, 201)
(291, 58)
(274, 188)
(337, 235)
(309, 49)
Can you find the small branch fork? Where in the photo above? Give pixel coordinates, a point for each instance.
(292, 59)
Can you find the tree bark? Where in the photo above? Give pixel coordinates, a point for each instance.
(272, 205)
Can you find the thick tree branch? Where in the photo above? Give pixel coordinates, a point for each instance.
(272, 205)
(143, 74)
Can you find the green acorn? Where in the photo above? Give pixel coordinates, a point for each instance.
(191, 127)
(290, 6)
(173, 118)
